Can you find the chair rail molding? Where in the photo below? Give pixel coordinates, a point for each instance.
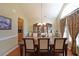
(9, 37)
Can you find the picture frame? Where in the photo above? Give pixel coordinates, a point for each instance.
(5, 23)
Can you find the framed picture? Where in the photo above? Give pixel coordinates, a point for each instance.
(5, 23)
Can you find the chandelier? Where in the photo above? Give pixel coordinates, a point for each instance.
(40, 24)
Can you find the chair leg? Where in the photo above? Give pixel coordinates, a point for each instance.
(34, 53)
(25, 53)
(38, 53)
(52, 53)
(49, 53)
(63, 53)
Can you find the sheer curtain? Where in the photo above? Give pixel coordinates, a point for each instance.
(77, 44)
(67, 35)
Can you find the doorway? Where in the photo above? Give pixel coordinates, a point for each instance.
(20, 29)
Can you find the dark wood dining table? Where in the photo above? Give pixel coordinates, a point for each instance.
(21, 45)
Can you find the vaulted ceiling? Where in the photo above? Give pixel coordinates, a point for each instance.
(34, 10)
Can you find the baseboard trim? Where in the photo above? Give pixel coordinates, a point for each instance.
(10, 50)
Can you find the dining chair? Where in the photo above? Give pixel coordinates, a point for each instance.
(29, 45)
(43, 45)
(35, 36)
(59, 46)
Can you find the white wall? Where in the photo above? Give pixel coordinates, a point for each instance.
(26, 26)
(8, 38)
(69, 8)
(13, 31)
(7, 43)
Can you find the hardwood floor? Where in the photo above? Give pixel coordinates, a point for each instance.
(69, 52)
(16, 52)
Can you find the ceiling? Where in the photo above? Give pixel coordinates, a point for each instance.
(42, 10)
(34, 10)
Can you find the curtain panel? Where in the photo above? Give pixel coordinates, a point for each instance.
(73, 26)
(62, 26)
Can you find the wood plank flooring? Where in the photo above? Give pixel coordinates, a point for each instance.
(16, 52)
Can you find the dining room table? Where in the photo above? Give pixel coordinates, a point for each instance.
(51, 43)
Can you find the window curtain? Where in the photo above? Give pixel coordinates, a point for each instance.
(70, 24)
(73, 26)
(62, 26)
(77, 21)
(74, 33)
